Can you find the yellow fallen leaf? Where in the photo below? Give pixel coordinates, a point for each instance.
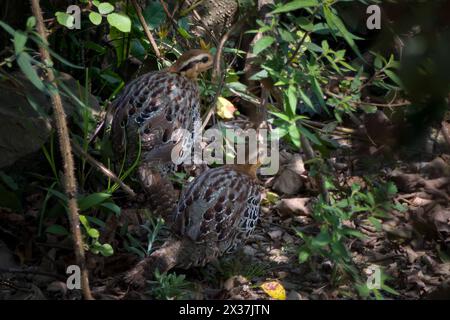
(225, 109)
(270, 198)
(274, 289)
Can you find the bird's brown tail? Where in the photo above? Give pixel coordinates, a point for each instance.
(162, 195)
(163, 260)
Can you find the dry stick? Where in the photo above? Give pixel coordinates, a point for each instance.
(146, 29)
(309, 154)
(100, 167)
(70, 184)
(217, 70)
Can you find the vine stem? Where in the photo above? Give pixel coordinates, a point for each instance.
(70, 184)
(146, 29)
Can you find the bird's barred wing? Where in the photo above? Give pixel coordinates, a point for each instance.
(152, 107)
(213, 207)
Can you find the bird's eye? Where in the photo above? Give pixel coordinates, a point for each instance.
(205, 59)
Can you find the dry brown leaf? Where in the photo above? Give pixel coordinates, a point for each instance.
(293, 206)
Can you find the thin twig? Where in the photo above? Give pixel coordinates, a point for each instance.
(70, 184)
(218, 57)
(100, 167)
(217, 70)
(146, 29)
(309, 155)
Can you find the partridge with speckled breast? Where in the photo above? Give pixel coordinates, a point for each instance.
(215, 215)
(147, 114)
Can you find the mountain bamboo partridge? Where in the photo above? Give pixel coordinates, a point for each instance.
(216, 213)
(147, 114)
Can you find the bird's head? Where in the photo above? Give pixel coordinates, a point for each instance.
(192, 62)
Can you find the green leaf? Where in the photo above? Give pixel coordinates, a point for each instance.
(335, 22)
(95, 18)
(36, 38)
(294, 134)
(92, 200)
(281, 116)
(292, 98)
(303, 256)
(7, 28)
(9, 199)
(24, 62)
(106, 250)
(183, 32)
(9, 181)
(259, 75)
(65, 19)
(31, 22)
(154, 14)
(322, 239)
(112, 207)
(57, 229)
(307, 100)
(376, 223)
(263, 44)
(389, 290)
(93, 233)
(119, 21)
(394, 77)
(105, 8)
(296, 4)
(308, 134)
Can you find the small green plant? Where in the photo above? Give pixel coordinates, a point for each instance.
(170, 286)
(332, 217)
(153, 228)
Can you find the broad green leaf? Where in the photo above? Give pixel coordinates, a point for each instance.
(105, 8)
(259, 75)
(24, 62)
(93, 233)
(106, 250)
(318, 93)
(389, 290)
(95, 18)
(292, 98)
(294, 134)
(36, 38)
(154, 14)
(65, 19)
(281, 116)
(394, 77)
(322, 239)
(112, 207)
(57, 230)
(7, 28)
(92, 200)
(308, 134)
(296, 4)
(263, 44)
(335, 22)
(303, 256)
(184, 33)
(31, 22)
(10, 199)
(307, 100)
(376, 223)
(119, 21)
(339, 249)
(8, 181)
